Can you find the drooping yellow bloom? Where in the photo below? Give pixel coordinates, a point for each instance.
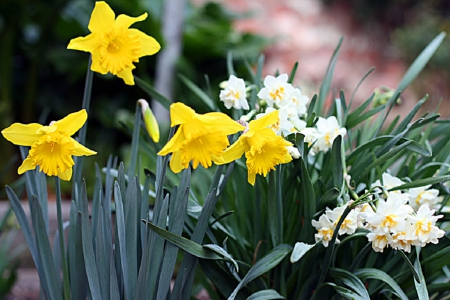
(200, 138)
(149, 120)
(262, 147)
(51, 146)
(113, 45)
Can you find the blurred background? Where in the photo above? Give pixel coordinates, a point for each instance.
(41, 81)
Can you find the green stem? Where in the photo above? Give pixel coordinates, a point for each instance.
(61, 239)
(82, 133)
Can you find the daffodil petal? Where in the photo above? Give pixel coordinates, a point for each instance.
(96, 66)
(72, 122)
(102, 18)
(124, 21)
(149, 45)
(26, 165)
(251, 178)
(266, 121)
(127, 75)
(174, 144)
(88, 43)
(80, 150)
(66, 175)
(176, 163)
(233, 152)
(180, 113)
(22, 134)
(221, 122)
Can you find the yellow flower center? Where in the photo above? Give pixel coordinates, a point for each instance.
(423, 227)
(201, 149)
(389, 222)
(278, 94)
(327, 233)
(262, 160)
(118, 50)
(52, 152)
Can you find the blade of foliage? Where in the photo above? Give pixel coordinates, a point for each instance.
(275, 214)
(354, 120)
(292, 74)
(152, 92)
(51, 279)
(336, 162)
(382, 140)
(358, 85)
(421, 284)
(308, 203)
(268, 262)
(346, 293)
(134, 143)
(199, 92)
(421, 182)
(265, 295)
(382, 159)
(402, 126)
(257, 80)
(351, 281)
(185, 244)
(420, 62)
(326, 83)
(370, 273)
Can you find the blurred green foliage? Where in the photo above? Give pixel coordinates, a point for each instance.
(40, 80)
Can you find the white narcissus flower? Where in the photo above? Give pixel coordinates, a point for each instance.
(389, 182)
(379, 240)
(234, 94)
(297, 100)
(327, 130)
(390, 215)
(325, 230)
(403, 240)
(276, 90)
(423, 196)
(349, 225)
(424, 226)
(310, 134)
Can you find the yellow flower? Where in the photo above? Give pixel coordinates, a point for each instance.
(51, 146)
(263, 148)
(113, 45)
(151, 124)
(200, 138)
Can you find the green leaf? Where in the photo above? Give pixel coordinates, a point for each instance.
(336, 162)
(152, 92)
(421, 182)
(187, 245)
(326, 83)
(370, 273)
(219, 250)
(265, 295)
(421, 285)
(198, 91)
(394, 151)
(382, 140)
(351, 281)
(420, 62)
(354, 120)
(266, 263)
(346, 293)
(402, 126)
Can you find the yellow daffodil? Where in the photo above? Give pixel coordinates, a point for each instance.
(151, 124)
(113, 45)
(51, 146)
(200, 138)
(262, 147)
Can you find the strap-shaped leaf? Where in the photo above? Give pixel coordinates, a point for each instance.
(265, 295)
(266, 263)
(370, 273)
(345, 292)
(422, 182)
(351, 281)
(421, 285)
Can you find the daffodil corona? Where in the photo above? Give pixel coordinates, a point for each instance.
(200, 138)
(113, 45)
(262, 147)
(52, 146)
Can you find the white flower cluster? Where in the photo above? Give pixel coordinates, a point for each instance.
(400, 221)
(234, 93)
(321, 137)
(291, 103)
